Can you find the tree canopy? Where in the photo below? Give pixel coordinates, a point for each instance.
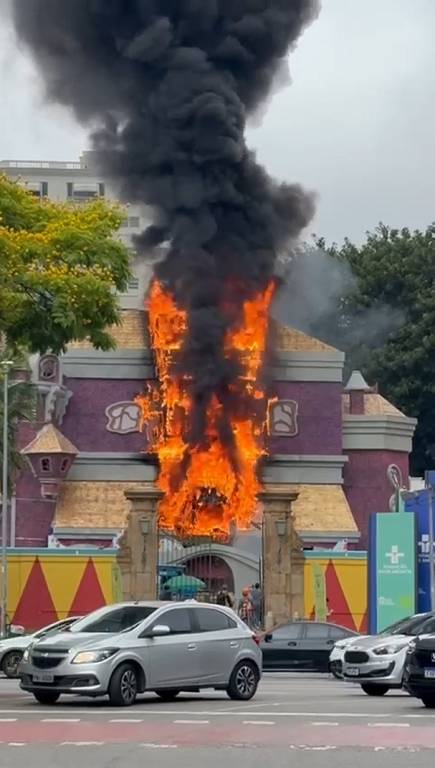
(386, 323)
(60, 269)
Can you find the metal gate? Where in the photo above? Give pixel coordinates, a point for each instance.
(189, 569)
(193, 568)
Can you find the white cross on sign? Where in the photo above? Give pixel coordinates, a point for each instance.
(394, 555)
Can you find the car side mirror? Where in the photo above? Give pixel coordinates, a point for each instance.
(268, 638)
(160, 630)
(16, 629)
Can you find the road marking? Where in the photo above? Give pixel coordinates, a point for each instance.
(230, 712)
(389, 725)
(82, 743)
(327, 724)
(16, 744)
(159, 746)
(192, 722)
(126, 720)
(259, 722)
(8, 719)
(60, 720)
(305, 748)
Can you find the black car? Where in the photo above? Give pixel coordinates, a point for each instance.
(419, 676)
(302, 645)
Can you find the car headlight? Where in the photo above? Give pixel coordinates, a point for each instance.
(26, 654)
(340, 646)
(412, 646)
(92, 657)
(388, 650)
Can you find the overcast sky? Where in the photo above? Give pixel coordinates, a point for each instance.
(357, 124)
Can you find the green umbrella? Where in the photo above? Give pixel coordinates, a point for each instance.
(185, 582)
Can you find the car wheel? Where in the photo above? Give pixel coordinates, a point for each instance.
(375, 690)
(46, 697)
(11, 662)
(244, 681)
(168, 695)
(123, 686)
(428, 701)
(336, 669)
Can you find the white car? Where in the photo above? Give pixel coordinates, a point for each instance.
(377, 663)
(336, 658)
(12, 648)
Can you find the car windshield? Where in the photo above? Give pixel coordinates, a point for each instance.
(60, 626)
(113, 621)
(409, 626)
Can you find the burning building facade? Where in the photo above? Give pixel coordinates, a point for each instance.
(204, 395)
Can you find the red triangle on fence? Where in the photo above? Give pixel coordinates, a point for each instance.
(35, 608)
(89, 595)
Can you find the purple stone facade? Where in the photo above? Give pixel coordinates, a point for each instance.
(319, 419)
(85, 423)
(315, 428)
(367, 486)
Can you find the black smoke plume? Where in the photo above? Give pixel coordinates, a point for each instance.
(167, 86)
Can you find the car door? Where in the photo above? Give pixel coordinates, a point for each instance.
(281, 648)
(315, 646)
(173, 660)
(219, 641)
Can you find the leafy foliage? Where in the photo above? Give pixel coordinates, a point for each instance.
(386, 324)
(22, 403)
(60, 269)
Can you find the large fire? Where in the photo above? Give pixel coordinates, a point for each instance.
(210, 488)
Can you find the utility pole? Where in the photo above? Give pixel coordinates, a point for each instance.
(5, 366)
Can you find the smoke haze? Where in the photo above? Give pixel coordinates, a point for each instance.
(166, 87)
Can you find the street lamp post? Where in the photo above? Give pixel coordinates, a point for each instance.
(5, 366)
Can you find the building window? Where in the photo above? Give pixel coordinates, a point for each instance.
(64, 466)
(37, 189)
(81, 193)
(133, 285)
(45, 466)
(134, 222)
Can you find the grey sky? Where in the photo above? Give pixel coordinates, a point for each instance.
(357, 125)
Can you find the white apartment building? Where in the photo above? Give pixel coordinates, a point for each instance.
(79, 182)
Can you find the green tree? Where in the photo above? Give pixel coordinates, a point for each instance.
(22, 403)
(60, 269)
(386, 323)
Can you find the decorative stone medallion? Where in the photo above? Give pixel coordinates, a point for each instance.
(283, 418)
(124, 418)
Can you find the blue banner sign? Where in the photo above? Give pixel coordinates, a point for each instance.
(392, 561)
(419, 505)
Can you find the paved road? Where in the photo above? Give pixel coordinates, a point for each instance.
(318, 719)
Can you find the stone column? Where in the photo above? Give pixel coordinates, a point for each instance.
(283, 557)
(139, 547)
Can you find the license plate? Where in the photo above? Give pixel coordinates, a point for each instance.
(43, 677)
(430, 673)
(352, 672)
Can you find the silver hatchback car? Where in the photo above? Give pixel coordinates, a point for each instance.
(126, 649)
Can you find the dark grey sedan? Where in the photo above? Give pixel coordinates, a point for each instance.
(302, 646)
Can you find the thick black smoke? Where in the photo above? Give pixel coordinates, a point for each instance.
(167, 86)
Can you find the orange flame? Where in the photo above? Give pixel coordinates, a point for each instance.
(207, 490)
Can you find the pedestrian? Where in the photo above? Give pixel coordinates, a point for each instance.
(223, 597)
(257, 604)
(246, 612)
(165, 592)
